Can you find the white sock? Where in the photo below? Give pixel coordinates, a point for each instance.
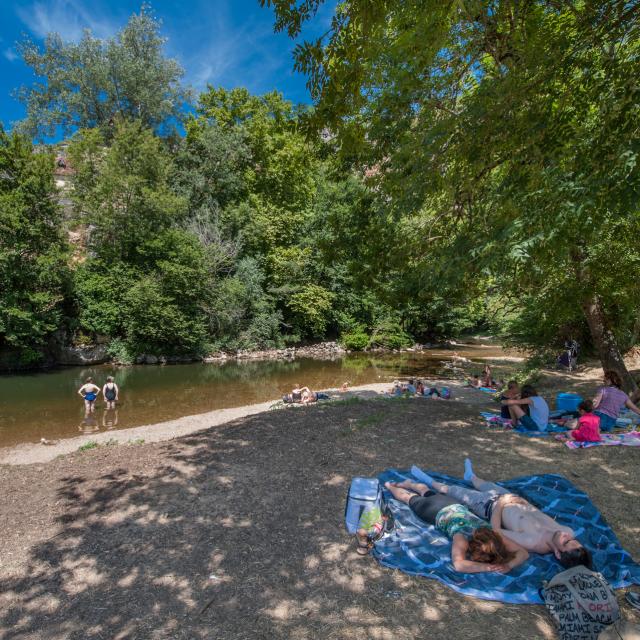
(417, 472)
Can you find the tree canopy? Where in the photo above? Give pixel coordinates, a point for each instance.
(89, 83)
(508, 133)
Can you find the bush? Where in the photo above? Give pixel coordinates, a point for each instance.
(355, 341)
(390, 335)
(120, 352)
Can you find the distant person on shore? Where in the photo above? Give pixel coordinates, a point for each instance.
(610, 399)
(309, 396)
(110, 392)
(475, 381)
(538, 417)
(411, 387)
(89, 392)
(420, 388)
(487, 380)
(296, 393)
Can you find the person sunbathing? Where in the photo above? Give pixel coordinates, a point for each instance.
(309, 396)
(513, 517)
(475, 547)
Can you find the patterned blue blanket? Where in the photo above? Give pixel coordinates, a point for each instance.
(419, 549)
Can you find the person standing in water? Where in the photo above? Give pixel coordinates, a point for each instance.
(89, 392)
(110, 392)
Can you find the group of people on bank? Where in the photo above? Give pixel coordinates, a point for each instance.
(525, 408)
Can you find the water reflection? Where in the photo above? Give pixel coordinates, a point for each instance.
(37, 405)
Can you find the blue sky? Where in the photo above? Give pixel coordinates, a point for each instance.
(222, 42)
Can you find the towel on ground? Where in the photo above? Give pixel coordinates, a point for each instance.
(417, 548)
(631, 439)
(494, 419)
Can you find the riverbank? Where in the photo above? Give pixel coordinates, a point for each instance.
(39, 453)
(237, 531)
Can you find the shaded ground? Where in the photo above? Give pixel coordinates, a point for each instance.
(237, 532)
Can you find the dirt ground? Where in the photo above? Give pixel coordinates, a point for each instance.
(237, 532)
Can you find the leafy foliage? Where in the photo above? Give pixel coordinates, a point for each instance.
(90, 83)
(505, 133)
(33, 249)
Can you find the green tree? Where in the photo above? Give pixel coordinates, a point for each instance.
(89, 84)
(507, 132)
(150, 278)
(33, 249)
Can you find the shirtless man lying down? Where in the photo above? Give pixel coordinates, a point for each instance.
(513, 517)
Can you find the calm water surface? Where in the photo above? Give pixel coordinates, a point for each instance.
(46, 405)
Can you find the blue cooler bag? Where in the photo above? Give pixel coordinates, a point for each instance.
(365, 494)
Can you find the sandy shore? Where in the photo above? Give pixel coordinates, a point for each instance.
(37, 453)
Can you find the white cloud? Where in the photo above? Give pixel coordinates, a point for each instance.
(69, 18)
(221, 52)
(10, 54)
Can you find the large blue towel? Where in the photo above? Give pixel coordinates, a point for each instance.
(419, 549)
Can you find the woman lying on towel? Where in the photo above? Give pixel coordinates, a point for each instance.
(475, 547)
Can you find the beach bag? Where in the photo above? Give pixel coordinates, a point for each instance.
(581, 602)
(364, 504)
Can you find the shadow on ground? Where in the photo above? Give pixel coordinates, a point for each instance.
(237, 532)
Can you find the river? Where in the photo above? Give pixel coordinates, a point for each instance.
(46, 404)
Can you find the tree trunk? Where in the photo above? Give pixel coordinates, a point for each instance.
(605, 342)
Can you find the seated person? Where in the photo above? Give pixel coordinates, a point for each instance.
(512, 393)
(610, 399)
(538, 417)
(475, 381)
(411, 387)
(475, 548)
(515, 518)
(588, 424)
(419, 388)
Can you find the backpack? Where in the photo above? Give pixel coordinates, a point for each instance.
(581, 602)
(364, 504)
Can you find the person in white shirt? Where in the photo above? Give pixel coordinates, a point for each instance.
(538, 417)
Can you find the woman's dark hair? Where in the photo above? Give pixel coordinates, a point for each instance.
(613, 378)
(575, 558)
(528, 391)
(586, 406)
(110, 379)
(512, 384)
(485, 545)
(88, 380)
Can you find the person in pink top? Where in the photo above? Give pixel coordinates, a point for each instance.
(588, 424)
